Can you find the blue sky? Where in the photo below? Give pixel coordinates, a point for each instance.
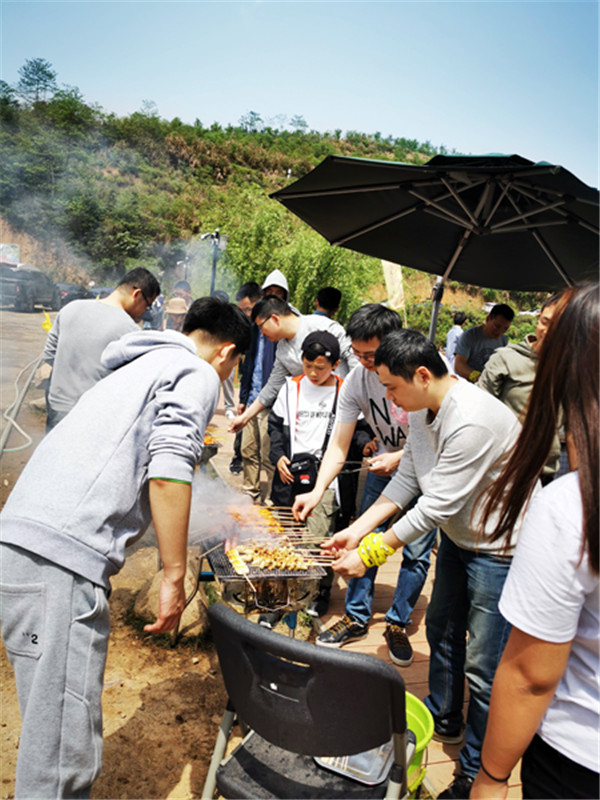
(512, 77)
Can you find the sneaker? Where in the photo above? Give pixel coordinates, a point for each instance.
(235, 466)
(344, 631)
(442, 732)
(399, 647)
(459, 789)
(320, 605)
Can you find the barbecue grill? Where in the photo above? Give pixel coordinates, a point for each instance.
(276, 593)
(281, 590)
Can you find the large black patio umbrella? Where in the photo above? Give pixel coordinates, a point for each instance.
(498, 221)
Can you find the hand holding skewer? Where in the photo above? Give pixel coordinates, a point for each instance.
(304, 504)
(343, 546)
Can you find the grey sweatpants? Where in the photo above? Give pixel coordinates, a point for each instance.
(55, 627)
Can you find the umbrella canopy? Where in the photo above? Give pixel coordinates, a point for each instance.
(497, 221)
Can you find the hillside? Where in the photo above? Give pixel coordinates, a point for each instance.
(89, 195)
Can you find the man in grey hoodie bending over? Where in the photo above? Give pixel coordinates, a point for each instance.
(81, 499)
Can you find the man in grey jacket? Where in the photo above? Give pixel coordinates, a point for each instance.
(510, 373)
(86, 493)
(457, 435)
(80, 333)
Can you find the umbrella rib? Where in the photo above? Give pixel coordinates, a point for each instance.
(459, 199)
(374, 225)
(523, 215)
(524, 187)
(453, 219)
(530, 226)
(496, 205)
(545, 249)
(564, 213)
(378, 187)
(443, 212)
(551, 258)
(466, 234)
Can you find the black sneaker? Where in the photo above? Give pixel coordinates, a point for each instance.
(459, 789)
(399, 647)
(235, 466)
(321, 603)
(344, 631)
(448, 734)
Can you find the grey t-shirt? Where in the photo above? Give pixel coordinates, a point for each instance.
(78, 337)
(449, 460)
(288, 356)
(477, 348)
(363, 393)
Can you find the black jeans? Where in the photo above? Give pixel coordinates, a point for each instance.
(546, 773)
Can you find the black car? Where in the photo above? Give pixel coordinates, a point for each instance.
(25, 287)
(73, 291)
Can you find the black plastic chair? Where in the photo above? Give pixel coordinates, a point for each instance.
(298, 701)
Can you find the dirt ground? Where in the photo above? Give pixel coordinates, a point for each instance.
(162, 705)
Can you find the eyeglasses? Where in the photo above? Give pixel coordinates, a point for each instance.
(368, 358)
(260, 324)
(148, 302)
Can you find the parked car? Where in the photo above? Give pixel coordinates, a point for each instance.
(25, 287)
(73, 291)
(8, 282)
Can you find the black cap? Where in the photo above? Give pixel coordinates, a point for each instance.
(321, 343)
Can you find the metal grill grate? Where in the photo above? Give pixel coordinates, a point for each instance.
(223, 569)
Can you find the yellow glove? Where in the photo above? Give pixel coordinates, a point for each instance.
(373, 551)
(474, 376)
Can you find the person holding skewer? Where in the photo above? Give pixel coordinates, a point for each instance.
(363, 394)
(458, 436)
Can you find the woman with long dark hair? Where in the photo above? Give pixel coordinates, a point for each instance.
(545, 704)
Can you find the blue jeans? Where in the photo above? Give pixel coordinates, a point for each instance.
(464, 600)
(412, 575)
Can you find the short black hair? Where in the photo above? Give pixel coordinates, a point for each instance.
(321, 343)
(271, 305)
(142, 279)
(460, 318)
(403, 351)
(221, 294)
(372, 321)
(329, 298)
(223, 321)
(502, 310)
(182, 285)
(251, 290)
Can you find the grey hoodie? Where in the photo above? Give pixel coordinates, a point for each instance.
(83, 496)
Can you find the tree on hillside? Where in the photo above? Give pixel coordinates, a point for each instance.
(8, 102)
(36, 80)
(252, 121)
(298, 123)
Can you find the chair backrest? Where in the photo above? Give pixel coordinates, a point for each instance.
(305, 698)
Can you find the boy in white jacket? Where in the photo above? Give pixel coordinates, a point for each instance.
(300, 424)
